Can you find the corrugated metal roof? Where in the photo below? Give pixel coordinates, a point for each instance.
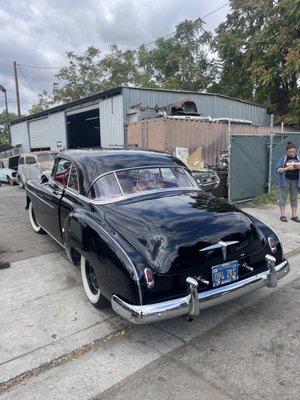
(222, 106)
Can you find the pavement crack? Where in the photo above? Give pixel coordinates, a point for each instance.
(76, 353)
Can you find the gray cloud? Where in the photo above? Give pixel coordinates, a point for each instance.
(39, 32)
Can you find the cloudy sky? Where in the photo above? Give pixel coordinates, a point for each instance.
(39, 32)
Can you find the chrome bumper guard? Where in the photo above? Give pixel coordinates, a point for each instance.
(191, 304)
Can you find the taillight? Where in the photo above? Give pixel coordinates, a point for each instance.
(272, 244)
(149, 278)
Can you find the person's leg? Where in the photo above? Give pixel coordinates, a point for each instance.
(294, 200)
(282, 202)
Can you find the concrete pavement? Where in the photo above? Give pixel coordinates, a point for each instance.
(54, 344)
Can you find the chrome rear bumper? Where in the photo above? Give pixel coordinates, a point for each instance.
(194, 301)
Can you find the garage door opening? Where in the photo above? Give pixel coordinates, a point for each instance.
(84, 129)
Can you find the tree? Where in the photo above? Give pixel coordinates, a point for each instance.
(4, 137)
(259, 49)
(178, 62)
(181, 61)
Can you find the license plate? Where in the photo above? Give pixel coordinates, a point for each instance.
(225, 273)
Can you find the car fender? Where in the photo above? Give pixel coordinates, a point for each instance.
(116, 264)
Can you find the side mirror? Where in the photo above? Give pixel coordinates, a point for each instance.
(44, 178)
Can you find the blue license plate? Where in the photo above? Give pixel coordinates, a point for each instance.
(225, 273)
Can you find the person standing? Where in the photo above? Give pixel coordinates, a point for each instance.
(289, 181)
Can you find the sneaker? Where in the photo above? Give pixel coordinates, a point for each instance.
(295, 219)
(283, 218)
(4, 265)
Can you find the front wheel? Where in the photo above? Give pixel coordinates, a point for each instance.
(91, 285)
(35, 225)
(10, 180)
(20, 181)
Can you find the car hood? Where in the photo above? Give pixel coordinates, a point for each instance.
(169, 231)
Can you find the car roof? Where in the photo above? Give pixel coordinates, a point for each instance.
(95, 162)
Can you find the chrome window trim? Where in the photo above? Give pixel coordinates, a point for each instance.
(118, 183)
(191, 180)
(44, 201)
(67, 186)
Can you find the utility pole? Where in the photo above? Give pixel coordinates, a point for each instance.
(17, 89)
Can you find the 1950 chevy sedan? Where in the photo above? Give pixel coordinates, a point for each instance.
(147, 239)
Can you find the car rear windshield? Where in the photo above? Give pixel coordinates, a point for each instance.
(44, 157)
(132, 181)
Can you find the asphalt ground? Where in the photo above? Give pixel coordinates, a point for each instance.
(55, 345)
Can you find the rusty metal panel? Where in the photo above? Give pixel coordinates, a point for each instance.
(167, 133)
(208, 104)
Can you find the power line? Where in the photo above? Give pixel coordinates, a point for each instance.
(172, 33)
(146, 45)
(38, 67)
(27, 80)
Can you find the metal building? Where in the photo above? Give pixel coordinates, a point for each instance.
(99, 120)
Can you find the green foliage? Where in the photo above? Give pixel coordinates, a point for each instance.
(4, 139)
(259, 49)
(265, 200)
(178, 62)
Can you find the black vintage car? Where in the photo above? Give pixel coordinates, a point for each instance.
(146, 238)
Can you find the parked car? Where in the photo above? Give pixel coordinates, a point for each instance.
(32, 165)
(7, 174)
(207, 179)
(146, 238)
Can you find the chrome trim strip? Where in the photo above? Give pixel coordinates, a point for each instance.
(57, 241)
(118, 182)
(186, 305)
(44, 201)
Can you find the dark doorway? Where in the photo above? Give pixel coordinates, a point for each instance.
(84, 129)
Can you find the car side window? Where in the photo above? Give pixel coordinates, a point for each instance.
(21, 161)
(61, 171)
(73, 179)
(30, 160)
(105, 188)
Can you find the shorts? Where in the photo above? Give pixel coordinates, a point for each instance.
(291, 188)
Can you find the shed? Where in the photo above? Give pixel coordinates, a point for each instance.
(99, 120)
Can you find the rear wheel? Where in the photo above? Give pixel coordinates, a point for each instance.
(91, 285)
(35, 225)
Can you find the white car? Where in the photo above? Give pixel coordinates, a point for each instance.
(32, 165)
(7, 174)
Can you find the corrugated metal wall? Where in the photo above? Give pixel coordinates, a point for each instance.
(19, 135)
(207, 104)
(249, 163)
(57, 130)
(167, 133)
(39, 133)
(111, 121)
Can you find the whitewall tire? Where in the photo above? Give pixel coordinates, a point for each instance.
(20, 181)
(91, 284)
(35, 226)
